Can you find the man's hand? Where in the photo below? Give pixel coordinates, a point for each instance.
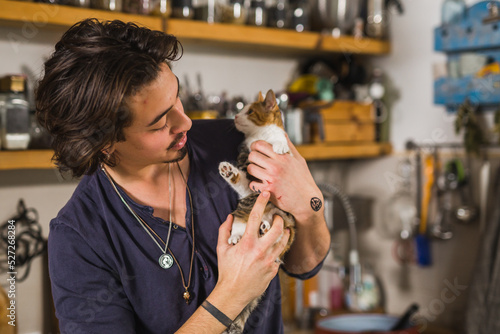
(247, 268)
(287, 178)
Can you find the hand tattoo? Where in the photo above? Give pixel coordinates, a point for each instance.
(316, 203)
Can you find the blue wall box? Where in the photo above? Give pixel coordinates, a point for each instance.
(477, 33)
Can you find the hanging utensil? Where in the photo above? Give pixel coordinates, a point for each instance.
(467, 212)
(484, 181)
(422, 241)
(445, 185)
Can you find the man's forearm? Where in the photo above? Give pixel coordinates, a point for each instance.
(312, 242)
(202, 322)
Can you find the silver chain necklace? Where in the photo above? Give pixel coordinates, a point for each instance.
(165, 260)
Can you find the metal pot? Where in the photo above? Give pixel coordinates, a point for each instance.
(335, 15)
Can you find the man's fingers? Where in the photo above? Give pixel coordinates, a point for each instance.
(225, 230)
(281, 244)
(255, 218)
(276, 230)
(263, 147)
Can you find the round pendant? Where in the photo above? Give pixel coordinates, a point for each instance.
(166, 261)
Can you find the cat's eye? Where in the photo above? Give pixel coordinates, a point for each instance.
(250, 111)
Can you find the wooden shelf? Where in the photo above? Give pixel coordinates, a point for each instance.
(39, 16)
(344, 151)
(41, 159)
(33, 16)
(31, 159)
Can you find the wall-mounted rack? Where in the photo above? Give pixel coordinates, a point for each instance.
(476, 38)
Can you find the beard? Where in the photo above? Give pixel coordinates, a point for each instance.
(181, 155)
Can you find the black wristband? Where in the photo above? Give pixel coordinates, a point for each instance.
(223, 319)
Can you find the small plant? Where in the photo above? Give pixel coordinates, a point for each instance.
(467, 121)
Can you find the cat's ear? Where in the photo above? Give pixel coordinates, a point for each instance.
(261, 98)
(270, 101)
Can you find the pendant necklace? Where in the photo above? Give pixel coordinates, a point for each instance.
(165, 260)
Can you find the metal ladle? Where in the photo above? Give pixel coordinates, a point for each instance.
(447, 183)
(467, 212)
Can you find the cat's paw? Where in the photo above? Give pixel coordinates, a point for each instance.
(264, 227)
(229, 172)
(234, 239)
(281, 148)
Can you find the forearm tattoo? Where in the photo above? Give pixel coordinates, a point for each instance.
(316, 203)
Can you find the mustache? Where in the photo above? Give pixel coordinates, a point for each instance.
(177, 139)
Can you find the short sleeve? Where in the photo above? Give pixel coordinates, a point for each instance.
(307, 275)
(88, 295)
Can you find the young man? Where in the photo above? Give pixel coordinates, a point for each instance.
(139, 247)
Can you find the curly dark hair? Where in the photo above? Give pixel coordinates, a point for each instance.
(81, 98)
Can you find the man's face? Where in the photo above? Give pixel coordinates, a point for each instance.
(159, 124)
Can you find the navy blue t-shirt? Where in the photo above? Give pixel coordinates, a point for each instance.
(104, 266)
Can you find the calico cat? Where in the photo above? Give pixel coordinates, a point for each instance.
(260, 120)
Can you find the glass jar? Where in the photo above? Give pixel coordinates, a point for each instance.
(144, 7)
(182, 9)
(300, 15)
(233, 12)
(14, 113)
(277, 14)
(14, 121)
(111, 5)
(162, 8)
(257, 15)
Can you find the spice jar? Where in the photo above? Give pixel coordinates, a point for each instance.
(112, 5)
(144, 7)
(182, 9)
(162, 8)
(234, 12)
(300, 14)
(257, 15)
(277, 14)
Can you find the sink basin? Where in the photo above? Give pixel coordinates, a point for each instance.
(360, 324)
